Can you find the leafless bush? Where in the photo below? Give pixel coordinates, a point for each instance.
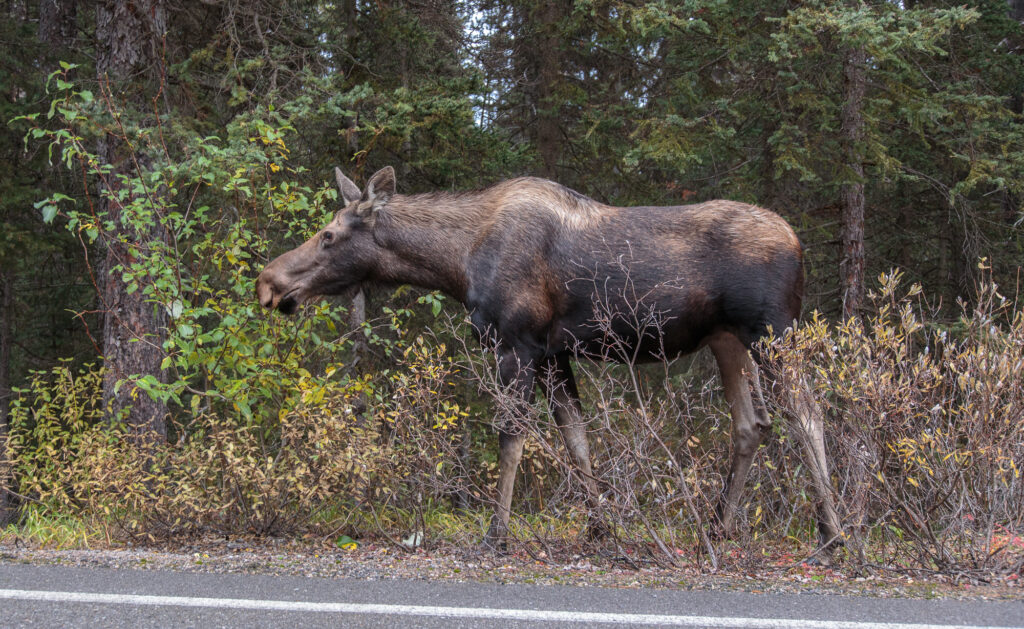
(658, 442)
(927, 430)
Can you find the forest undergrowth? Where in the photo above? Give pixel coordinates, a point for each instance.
(923, 434)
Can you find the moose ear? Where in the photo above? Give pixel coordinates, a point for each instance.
(349, 191)
(379, 190)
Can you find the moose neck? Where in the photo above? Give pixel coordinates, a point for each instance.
(427, 239)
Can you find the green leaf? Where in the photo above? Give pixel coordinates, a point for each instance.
(243, 406)
(49, 212)
(346, 543)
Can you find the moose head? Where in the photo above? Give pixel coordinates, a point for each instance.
(342, 254)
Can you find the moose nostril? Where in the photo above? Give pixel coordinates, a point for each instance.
(264, 292)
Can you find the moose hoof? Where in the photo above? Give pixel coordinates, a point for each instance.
(821, 558)
(828, 542)
(716, 533)
(722, 525)
(829, 539)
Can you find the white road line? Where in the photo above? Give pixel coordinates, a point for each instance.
(535, 615)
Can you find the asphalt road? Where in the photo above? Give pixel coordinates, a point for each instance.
(54, 596)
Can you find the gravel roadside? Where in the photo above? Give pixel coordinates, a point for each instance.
(376, 562)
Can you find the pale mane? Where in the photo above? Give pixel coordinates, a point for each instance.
(572, 209)
(476, 209)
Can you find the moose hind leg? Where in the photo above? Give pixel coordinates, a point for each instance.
(809, 427)
(559, 387)
(750, 420)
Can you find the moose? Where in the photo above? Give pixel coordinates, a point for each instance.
(533, 261)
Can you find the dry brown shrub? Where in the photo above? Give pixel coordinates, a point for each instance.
(924, 434)
(927, 437)
(321, 467)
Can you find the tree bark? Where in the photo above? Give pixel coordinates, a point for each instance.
(57, 21)
(1017, 10)
(6, 480)
(540, 58)
(549, 131)
(129, 40)
(851, 266)
(350, 34)
(1011, 203)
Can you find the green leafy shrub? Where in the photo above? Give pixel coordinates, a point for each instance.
(320, 455)
(53, 427)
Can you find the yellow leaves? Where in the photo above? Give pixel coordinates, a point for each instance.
(758, 516)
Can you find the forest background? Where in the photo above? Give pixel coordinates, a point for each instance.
(158, 153)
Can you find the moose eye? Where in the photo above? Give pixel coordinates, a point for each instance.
(327, 237)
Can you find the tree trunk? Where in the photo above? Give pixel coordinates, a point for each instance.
(350, 33)
(851, 266)
(6, 314)
(57, 21)
(541, 60)
(129, 40)
(549, 141)
(1017, 10)
(1011, 203)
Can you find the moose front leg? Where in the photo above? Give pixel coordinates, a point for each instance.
(517, 379)
(511, 451)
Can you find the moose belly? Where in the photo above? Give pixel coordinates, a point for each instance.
(635, 335)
